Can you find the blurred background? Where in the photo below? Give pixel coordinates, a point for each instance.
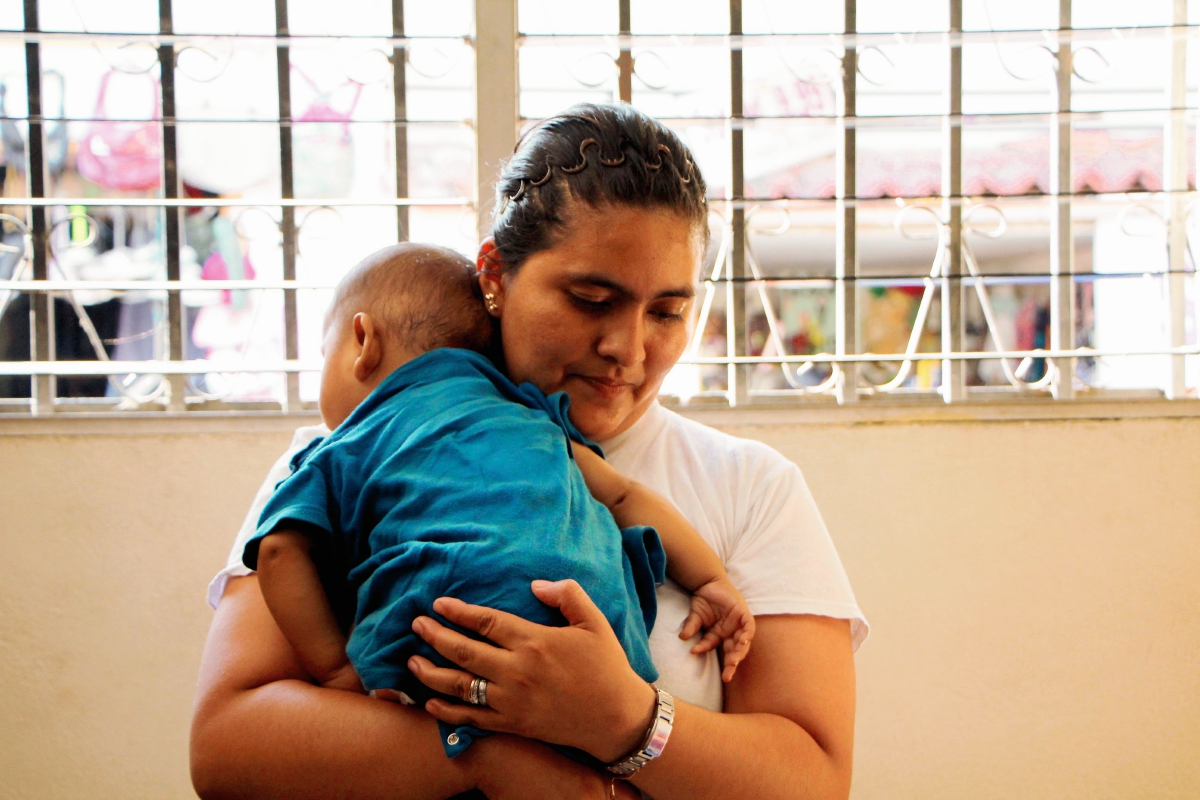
(968, 156)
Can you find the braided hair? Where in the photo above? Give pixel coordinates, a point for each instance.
(596, 154)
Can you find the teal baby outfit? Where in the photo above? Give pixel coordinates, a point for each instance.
(451, 480)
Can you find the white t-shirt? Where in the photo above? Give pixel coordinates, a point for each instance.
(749, 503)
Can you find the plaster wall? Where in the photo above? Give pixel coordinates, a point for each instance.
(1032, 589)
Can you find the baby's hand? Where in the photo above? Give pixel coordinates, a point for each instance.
(721, 611)
(344, 678)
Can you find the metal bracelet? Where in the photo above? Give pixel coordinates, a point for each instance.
(655, 741)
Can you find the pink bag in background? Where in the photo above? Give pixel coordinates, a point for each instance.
(124, 155)
(322, 146)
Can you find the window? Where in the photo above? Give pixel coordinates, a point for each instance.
(284, 146)
(912, 201)
(933, 182)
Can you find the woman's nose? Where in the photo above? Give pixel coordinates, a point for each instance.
(624, 340)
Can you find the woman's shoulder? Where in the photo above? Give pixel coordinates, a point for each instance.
(304, 435)
(753, 506)
(716, 451)
(722, 483)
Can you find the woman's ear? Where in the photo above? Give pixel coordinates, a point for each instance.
(487, 267)
(370, 353)
(487, 260)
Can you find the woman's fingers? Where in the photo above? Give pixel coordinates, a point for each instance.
(499, 626)
(475, 716)
(454, 682)
(570, 598)
(479, 658)
(569, 685)
(457, 683)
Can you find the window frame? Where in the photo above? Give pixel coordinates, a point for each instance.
(497, 43)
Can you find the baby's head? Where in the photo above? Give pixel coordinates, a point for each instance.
(394, 305)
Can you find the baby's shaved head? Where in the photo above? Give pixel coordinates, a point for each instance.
(423, 296)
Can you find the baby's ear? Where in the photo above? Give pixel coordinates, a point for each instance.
(370, 353)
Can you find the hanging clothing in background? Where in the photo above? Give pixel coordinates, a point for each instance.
(1033, 327)
(219, 253)
(214, 318)
(125, 155)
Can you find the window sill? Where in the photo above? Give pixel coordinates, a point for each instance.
(874, 412)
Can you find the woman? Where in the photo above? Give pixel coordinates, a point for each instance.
(597, 242)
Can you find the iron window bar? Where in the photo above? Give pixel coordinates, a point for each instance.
(43, 367)
(736, 265)
(916, 120)
(250, 120)
(947, 278)
(466, 202)
(230, 202)
(159, 38)
(209, 366)
(852, 39)
(630, 40)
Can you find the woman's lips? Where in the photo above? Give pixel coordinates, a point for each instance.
(605, 387)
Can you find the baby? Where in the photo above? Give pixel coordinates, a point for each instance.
(443, 478)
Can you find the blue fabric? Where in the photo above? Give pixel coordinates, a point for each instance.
(449, 480)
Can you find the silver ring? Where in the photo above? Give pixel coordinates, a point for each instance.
(477, 694)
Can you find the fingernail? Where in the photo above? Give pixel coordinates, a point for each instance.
(540, 584)
(413, 664)
(419, 625)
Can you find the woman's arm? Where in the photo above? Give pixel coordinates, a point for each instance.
(261, 729)
(788, 731)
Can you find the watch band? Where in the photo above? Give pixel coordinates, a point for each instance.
(655, 741)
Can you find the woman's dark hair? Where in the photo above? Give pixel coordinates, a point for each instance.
(597, 154)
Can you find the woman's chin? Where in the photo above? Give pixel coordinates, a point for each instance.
(602, 422)
(599, 419)
(597, 424)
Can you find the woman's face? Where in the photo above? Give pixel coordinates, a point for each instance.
(603, 314)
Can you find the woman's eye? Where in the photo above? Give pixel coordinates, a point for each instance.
(668, 314)
(590, 304)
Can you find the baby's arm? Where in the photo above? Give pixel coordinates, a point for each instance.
(290, 585)
(717, 607)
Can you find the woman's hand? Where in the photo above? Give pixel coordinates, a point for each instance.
(510, 767)
(571, 686)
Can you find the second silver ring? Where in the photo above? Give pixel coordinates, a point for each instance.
(477, 694)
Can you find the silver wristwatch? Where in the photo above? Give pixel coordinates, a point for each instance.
(656, 738)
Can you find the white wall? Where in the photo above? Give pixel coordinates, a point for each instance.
(1032, 589)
